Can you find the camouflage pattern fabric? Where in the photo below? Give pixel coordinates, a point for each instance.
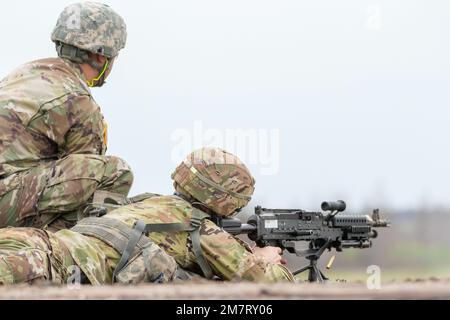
(46, 113)
(55, 195)
(29, 255)
(53, 144)
(32, 256)
(93, 27)
(153, 265)
(89, 256)
(215, 178)
(230, 258)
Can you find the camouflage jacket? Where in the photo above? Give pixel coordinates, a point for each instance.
(46, 113)
(229, 257)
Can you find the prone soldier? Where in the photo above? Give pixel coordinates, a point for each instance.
(158, 239)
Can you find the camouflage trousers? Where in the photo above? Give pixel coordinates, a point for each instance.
(54, 194)
(35, 256)
(32, 256)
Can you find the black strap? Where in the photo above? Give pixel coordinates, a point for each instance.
(99, 227)
(135, 236)
(193, 228)
(196, 247)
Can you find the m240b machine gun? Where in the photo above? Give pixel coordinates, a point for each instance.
(322, 230)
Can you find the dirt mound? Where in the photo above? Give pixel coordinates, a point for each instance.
(234, 291)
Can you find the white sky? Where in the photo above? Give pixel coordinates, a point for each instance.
(359, 90)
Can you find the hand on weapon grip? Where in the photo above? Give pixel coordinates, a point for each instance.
(270, 254)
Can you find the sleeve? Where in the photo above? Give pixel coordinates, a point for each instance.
(233, 260)
(74, 123)
(88, 130)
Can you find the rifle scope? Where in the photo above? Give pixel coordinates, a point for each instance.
(338, 206)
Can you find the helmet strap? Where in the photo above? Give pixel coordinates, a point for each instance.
(100, 79)
(80, 56)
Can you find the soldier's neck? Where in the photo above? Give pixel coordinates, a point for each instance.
(87, 71)
(195, 203)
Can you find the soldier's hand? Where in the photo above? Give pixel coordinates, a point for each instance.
(271, 254)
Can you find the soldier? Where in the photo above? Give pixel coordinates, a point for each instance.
(53, 135)
(209, 183)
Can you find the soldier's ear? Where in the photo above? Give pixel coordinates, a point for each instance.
(100, 59)
(97, 58)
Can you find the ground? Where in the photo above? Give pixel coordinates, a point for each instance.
(233, 291)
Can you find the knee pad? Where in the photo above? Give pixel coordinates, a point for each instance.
(118, 164)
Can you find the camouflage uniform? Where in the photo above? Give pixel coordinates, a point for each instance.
(28, 254)
(53, 135)
(228, 257)
(53, 145)
(31, 256)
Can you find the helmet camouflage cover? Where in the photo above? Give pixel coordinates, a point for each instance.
(93, 27)
(217, 179)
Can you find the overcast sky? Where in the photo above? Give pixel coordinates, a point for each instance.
(338, 99)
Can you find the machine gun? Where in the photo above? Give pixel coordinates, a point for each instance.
(323, 230)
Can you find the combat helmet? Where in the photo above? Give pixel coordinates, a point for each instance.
(90, 27)
(215, 178)
(93, 27)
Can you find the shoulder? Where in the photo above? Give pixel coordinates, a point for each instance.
(169, 202)
(45, 80)
(159, 209)
(62, 72)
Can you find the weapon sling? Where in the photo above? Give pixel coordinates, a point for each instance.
(130, 241)
(194, 230)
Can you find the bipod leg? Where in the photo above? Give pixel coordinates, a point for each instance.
(314, 275)
(299, 271)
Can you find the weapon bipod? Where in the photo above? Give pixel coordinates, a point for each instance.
(314, 275)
